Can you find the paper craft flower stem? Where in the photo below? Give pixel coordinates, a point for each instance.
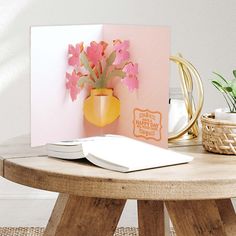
(93, 67)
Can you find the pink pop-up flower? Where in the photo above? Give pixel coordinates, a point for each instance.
(74, 53)
(95, 52)
(71, 84)
(121, 51)
(131, 80)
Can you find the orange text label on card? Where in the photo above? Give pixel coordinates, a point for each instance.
(147, 124)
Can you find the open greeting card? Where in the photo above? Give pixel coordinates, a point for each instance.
(89, 80)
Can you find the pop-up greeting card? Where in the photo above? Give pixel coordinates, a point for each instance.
(93, 69)
(96, 79)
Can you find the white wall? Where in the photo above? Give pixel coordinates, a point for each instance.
(204, 31)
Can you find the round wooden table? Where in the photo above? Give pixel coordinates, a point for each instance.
(197, 195)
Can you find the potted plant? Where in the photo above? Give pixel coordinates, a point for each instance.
(92, 68)
(228, 90)
(219, 129)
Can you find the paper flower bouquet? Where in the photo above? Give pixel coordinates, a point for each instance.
(92, 68)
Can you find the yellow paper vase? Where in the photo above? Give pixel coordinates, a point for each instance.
(101, 107)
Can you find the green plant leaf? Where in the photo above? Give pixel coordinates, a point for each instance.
(99, 68)
(221, 77)
(233, 86)
(225, 95)
(228, 89)
(103, 78)
(111, 58)
(234, 73)
(218, 86)
(85, 62)
(116, 73)
(84, 80)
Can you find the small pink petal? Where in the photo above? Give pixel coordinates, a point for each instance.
(121, 52)
(74, 61)
(74, 53)
(68, 75)
(125, 44)
(71, 49)
(78, 48)
(131, 82)
(95, 52)
(131, 68)
(121, 45)
(73, 93)
(71, 84)
(68, 84)
(121, 57)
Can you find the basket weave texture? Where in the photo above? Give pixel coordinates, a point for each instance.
(218, 136)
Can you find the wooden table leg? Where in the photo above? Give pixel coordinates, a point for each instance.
(202, 218)
(151, 218)
(83, 216)
(228, 216)
(167, 222)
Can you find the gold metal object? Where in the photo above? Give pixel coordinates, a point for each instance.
(188, 74)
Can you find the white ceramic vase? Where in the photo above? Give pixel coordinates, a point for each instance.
(225, 114)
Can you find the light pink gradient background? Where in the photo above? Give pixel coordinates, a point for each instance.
(55, 117)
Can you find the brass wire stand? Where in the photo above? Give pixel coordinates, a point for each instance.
(189, 74)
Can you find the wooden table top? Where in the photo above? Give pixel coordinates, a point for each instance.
(208, 176)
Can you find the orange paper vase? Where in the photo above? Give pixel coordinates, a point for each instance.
(101, 107)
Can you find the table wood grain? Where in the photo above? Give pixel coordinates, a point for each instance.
(98, 217)
(208, 176)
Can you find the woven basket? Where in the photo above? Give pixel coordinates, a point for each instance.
(218, 136)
